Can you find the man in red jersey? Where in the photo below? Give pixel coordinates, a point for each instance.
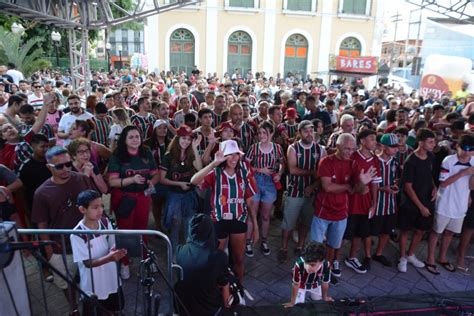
(332, 202)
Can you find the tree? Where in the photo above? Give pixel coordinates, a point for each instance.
(25, 54)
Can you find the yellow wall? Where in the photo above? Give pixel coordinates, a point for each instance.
(227, 20)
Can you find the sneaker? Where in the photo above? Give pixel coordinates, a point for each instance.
(335, 270)
(355, 265)
(249, 250)
(414, 261)
(383, 260)
(282, 255)
(264, 248)
(367, 263)
(334, 280)
(402, 265)
(125, 272)
(295, 236)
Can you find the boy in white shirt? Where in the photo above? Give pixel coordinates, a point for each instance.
(103, 281)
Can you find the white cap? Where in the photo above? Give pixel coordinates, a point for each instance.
(229, 147)
(159, 122)
(361, 93)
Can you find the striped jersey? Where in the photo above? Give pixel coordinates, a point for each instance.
(216, 119)
(308, 281)
(23, 150)
(246, 134)
(272, 160)
(402, 157)
(386, 202)
(144, 123)
(46, 130)
(257, 119)
(229, 193)
(204, 141)
(307, 158)
(102, 130)
(290, 129)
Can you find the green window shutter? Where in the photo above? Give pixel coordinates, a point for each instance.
(299, 5)
(241, 3)
(354, 7)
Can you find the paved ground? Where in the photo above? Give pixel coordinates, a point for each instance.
(269, 282)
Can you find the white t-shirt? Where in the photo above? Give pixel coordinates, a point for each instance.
(16, 75)
(114, 133)
(68, 119)
(452, 201)
(35, 100)
(105, 276)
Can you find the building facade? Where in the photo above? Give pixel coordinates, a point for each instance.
(274, 36)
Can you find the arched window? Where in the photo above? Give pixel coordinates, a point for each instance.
(296, 55)
(350, 47)
(182, 51)
(239, 49)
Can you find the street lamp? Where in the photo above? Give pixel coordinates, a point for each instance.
(18, 28)
(56, 37)
(119, 48)
(107, 48)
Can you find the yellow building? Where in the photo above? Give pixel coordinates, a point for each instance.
(275, 36)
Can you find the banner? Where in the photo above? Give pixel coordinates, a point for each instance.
(364, 65)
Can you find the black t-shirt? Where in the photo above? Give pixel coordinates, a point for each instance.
(420, 173)
(176, 171)
(33, 174)
(203, 270)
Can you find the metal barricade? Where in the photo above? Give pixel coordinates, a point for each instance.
(64, 233)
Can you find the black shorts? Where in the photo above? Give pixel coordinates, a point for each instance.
(114, 303)
(357, 227)
(224, 228)
(382, 225)
(410, 218)
(469, 219)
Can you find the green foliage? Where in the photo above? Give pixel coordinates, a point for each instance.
(128, 5)
(26, 54)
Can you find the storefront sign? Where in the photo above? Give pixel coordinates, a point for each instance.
(362, 65)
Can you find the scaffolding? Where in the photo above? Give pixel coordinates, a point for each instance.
(80, 16)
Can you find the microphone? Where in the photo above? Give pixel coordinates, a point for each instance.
(20, 245)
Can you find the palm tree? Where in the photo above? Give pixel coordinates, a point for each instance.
(24, 54)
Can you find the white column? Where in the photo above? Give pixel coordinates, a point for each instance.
(269, 39)
(211, 37)
(152, 45)
(325, 39)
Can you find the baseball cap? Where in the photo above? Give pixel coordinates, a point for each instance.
(361, 93)
(226, 125)
(159, 122)
(290, 113)
(184, 130)
(229, 147)
(389, 140)
(304, 124)
(264, 91)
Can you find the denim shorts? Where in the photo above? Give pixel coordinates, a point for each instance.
(267, 193)
(333, 230)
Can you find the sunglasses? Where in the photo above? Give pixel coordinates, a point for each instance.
(37, 87)
(61, 166)
(467, 148)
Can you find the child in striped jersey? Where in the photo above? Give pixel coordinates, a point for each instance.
(312, 274)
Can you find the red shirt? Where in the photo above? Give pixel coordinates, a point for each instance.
(360, 203)
(333, 206)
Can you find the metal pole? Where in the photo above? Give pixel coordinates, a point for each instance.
(417, 50)
(407, 41)
(120, 56)
(56, 45)
(396, 17)
(108, 60)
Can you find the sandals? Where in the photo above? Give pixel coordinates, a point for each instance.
(464, 270)
(448, 266)
(431, 268)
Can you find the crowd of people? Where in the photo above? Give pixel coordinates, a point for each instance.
(333, 163)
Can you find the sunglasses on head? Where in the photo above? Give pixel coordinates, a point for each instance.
(61, 166)
(467, 148)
